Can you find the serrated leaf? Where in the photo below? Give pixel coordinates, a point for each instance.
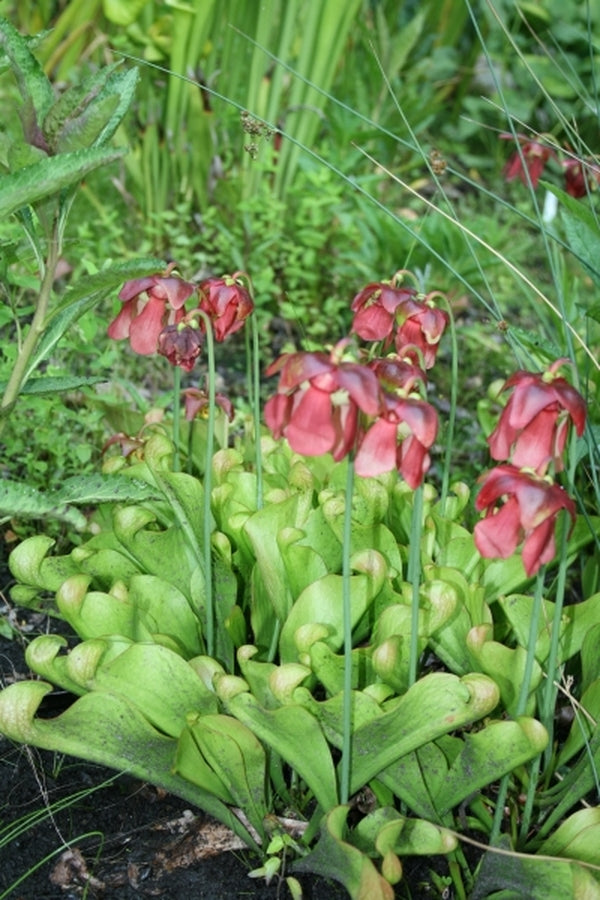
(54, 384)
(24, 501)
(33, 84)
(123, 85)
(87, 128)
(51, 175)
(92, 489)
(73, 102)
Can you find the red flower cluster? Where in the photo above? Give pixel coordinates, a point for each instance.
(332, 403)
(529, 162)
(520, 499)
(154, 317)
(387, 311)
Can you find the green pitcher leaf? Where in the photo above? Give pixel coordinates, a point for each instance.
(334, 857)
(95, 614)
(486, 756)
(518, 876)
(159, 683)
(239, 759)
(108, 730)
(191, 765)
(165, 611)
(297, 737)
(30, 564)
(436, 704)
(321, 602)
(578, 837)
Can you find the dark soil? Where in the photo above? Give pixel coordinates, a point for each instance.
(70, 829)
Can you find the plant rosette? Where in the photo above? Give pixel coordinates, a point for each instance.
(227, 731)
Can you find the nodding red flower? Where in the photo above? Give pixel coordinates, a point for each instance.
(196, 402)
(182, 343)
(533, 426)
(531, 158)
(318, 400)
(520, 507)
(405, 429)
(149, 304)
(420, 324)
(580, 176)
(375, 310)
(386, 312)
(226, 302)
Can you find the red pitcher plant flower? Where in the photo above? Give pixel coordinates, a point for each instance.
(196, 403)
(226, 302)
(421, 324)
(150, 304)
(405, 429)
(393, 311)
(318, 399)
(533, 426)
(375, 309)
(520, 507)
(580, 176)
(182, 343)
(531, 158)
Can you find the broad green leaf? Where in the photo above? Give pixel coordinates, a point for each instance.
(109, 730)
(581, 229)
(122, 85)
(73, 102)
(334, 857)
(191, 765)
(49, 176)
(98, 488)
(18, 500)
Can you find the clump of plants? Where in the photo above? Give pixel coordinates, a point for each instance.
(291, 622)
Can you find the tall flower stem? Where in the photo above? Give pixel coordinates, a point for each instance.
(414, 577)
(256, 410)
(206, 517)
(346, 760)
(176, 416)
(524, 694)
(452, 412)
